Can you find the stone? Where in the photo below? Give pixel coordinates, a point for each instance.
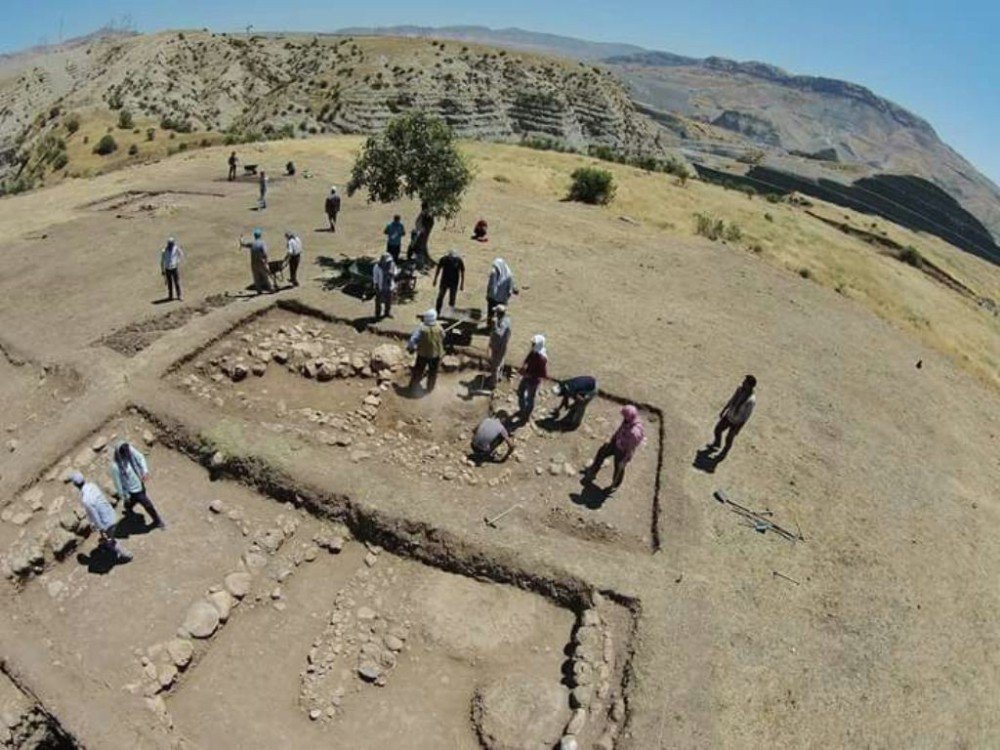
(582, 674)
(369, 670)
(607, 742)
(62, 542)
(33, 498)
(100, 442)
(202, 619)
(223, 602)
(180, 651)
(590, 617)
(450, 363)
(386, 357)
(577, 721)
(581, 696)
(20, 518)
(326, 372)
(310, 553)
(618, 710)
(335, 544)
(55, 588)
(280, 356)
(519, 712)
(238, 584)
(13, 445)
(366, 613)
(372, 401)
(216, 506)
(217, 461)
(148, 437)
(393, 643)
(568, 742)
(258, 369)
(370, 559)
(357, 456)
(166, 674)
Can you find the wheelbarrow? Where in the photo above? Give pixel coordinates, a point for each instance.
(460, 324)
(276, 270)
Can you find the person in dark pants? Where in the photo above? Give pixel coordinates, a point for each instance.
(490, 434)
(130, 472)
(622, 447)
(535, 368)
(232, 166)
(293, 247)
(394, 233)
(451, 269)
(101, 515)
(428, 342)
(332, 207)
(170, 262)
(576, 394)
(734, 415)
(384, 281)
(422, 227)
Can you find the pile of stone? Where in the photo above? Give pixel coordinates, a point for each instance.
(592, 669)
(360, 636)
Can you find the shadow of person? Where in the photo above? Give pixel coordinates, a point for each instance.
(363, 323)
(408, 391)
(132, 524)
(553, 423)
(591, 496)
(475, 386)
(100, 561)
(162, 300)
(706, 460)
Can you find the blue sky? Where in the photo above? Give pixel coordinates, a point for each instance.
(939, 59)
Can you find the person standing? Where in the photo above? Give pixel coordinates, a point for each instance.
(576, 394)
(499, 340)
(258, 262)
(102, 516)
(734, 415)
(394, 233)
(490, 434)
(499, 287)
(130, 472)
(427, 341)
(622, 446)
(451, 269)
(384, 280)
(232, 166)
(535, 367)
(170, 262)
(332, 207)
(262, 182)
(423, 225)
(293, 248)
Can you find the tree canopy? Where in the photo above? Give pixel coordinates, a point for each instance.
(415, 156)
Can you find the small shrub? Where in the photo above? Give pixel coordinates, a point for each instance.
(592, 185)
(733, 233)
(911, 256)
(86, 139)
(774, 197)
(757, 248)
(204, 143)
(709, 227)
(133, 149)
(501, 178)
(805, 273)
(125, 121)
(106, 145)
(768, 217)
(150, 134)
(72, 124)
(60, 161)
(182, 147)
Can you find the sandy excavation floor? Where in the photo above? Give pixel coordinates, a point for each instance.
(884, 637)
(322, 382)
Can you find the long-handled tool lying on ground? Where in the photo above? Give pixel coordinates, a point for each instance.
(757, 518)
(492, 522)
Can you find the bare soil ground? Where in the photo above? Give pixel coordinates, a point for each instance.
(883, 638)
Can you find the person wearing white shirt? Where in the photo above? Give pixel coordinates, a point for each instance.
(734, 415)
(171, 258)
(293, 246)
(101, 514)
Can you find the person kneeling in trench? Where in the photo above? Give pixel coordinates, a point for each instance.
(622, 446)
(576, 394)
(427, 341)
(490, 434)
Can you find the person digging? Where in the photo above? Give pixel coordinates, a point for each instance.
(489, 437)
(576, 394)
(427, 340)
(622, 447)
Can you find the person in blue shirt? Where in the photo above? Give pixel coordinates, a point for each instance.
(129, 473)
(394, 233)
(576, 394)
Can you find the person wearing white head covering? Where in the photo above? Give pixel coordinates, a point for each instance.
(534, 369)
(427, 340)
(332, 207)
(499, 341)
(170, 261)
(101, 514)
(384, 280)
(499, 288)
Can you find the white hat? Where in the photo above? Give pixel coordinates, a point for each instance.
(557, 389)
(430, 317)
(76, 478)
(538, 342)
(333, 188)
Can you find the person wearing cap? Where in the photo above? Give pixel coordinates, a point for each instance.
(490, 434)
(499, 287)
(394, 233)
(258, 261)
(384, 280)
(262, 182)
(451, 269)
(576, 394)
(734, 415)
(332, 207)
(170, 262)
(622, 447)
(533, 370)
(499, 340)
(129, 472)
(293, 248)
(427, 341)
(101, 514)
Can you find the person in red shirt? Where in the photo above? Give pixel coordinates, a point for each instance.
(535, 367)
(622, 446)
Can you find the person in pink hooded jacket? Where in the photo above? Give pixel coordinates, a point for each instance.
(622, 446)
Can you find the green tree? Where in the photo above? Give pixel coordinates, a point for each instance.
(415, 156)
(592, 185)
(106, 146)
(125, 121)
